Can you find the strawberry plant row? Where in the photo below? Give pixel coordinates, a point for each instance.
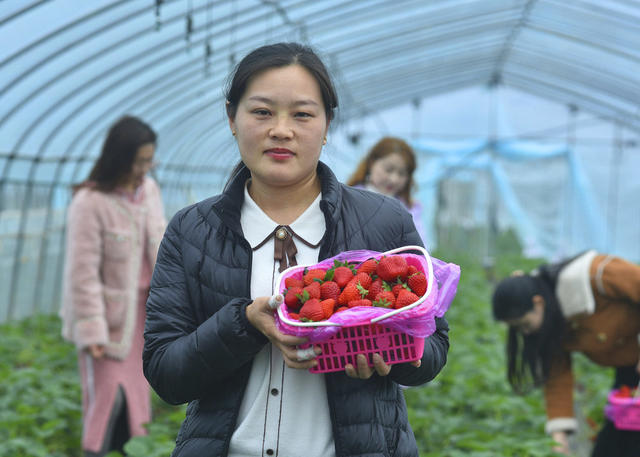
(468, 410)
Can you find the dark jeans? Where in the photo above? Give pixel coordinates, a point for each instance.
(610, 441)
(117, 433)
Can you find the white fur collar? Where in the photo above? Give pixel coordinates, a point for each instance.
(573, 288)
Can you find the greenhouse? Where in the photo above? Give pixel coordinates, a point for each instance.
(523, 115)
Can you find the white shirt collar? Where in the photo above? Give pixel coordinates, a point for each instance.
(256, 225)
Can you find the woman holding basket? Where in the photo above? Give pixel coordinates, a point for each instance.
(211, 338)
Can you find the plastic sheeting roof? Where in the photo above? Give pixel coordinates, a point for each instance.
(69, 68)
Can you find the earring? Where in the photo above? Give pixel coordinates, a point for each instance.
(233, 132)
(325, 140)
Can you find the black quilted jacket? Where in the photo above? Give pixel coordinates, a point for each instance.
(199, 345)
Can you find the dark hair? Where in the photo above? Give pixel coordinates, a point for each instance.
(381, 149)
(119, 151)
(275, 56)
(529, 357)
(513, 297)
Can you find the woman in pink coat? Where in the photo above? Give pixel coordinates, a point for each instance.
(114, 225)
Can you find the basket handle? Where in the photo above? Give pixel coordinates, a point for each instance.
(429, 281)
(288, 321)
(305, 324)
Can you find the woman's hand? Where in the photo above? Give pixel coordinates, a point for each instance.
(363, 371)
(260, 315)
(562, 438)
(96, 350)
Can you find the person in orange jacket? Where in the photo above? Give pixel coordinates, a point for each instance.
(589, 304)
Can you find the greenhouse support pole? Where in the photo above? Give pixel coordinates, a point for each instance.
(614, 188)
(492, 208)
(567, 245)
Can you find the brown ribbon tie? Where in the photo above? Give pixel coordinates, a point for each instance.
(284, 249)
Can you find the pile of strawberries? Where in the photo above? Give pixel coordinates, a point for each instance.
(388, 283)
(625, 392)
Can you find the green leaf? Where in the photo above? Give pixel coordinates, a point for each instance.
(137, 446)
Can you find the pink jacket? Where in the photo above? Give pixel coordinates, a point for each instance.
(105, 246)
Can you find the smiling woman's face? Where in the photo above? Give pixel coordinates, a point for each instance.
(280, 126)
(389, 174)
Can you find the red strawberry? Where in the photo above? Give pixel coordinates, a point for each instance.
(385, 299)
(342, 275)
(369, 266)
(411, 270)
(361, 302)
(352, 292)
(311, 275)
(391, 267)
(398, 287)
(375, 289)
(406, 298)
(328, 307)
(312, 310)
(418, 283)
(342, 308)
(362, 278)
(313, 289)
(292, 298)
(292, 282)
(329, 289)
(623, 392)
(295, 316)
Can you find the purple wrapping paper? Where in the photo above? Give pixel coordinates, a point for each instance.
(418, 321)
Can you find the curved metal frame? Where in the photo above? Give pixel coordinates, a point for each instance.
(464, 45)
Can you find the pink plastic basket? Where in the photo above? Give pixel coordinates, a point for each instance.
(367, 337)
(624, 412)
(342, 348)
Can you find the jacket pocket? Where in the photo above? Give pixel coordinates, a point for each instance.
(115, 307)
(117, 245)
